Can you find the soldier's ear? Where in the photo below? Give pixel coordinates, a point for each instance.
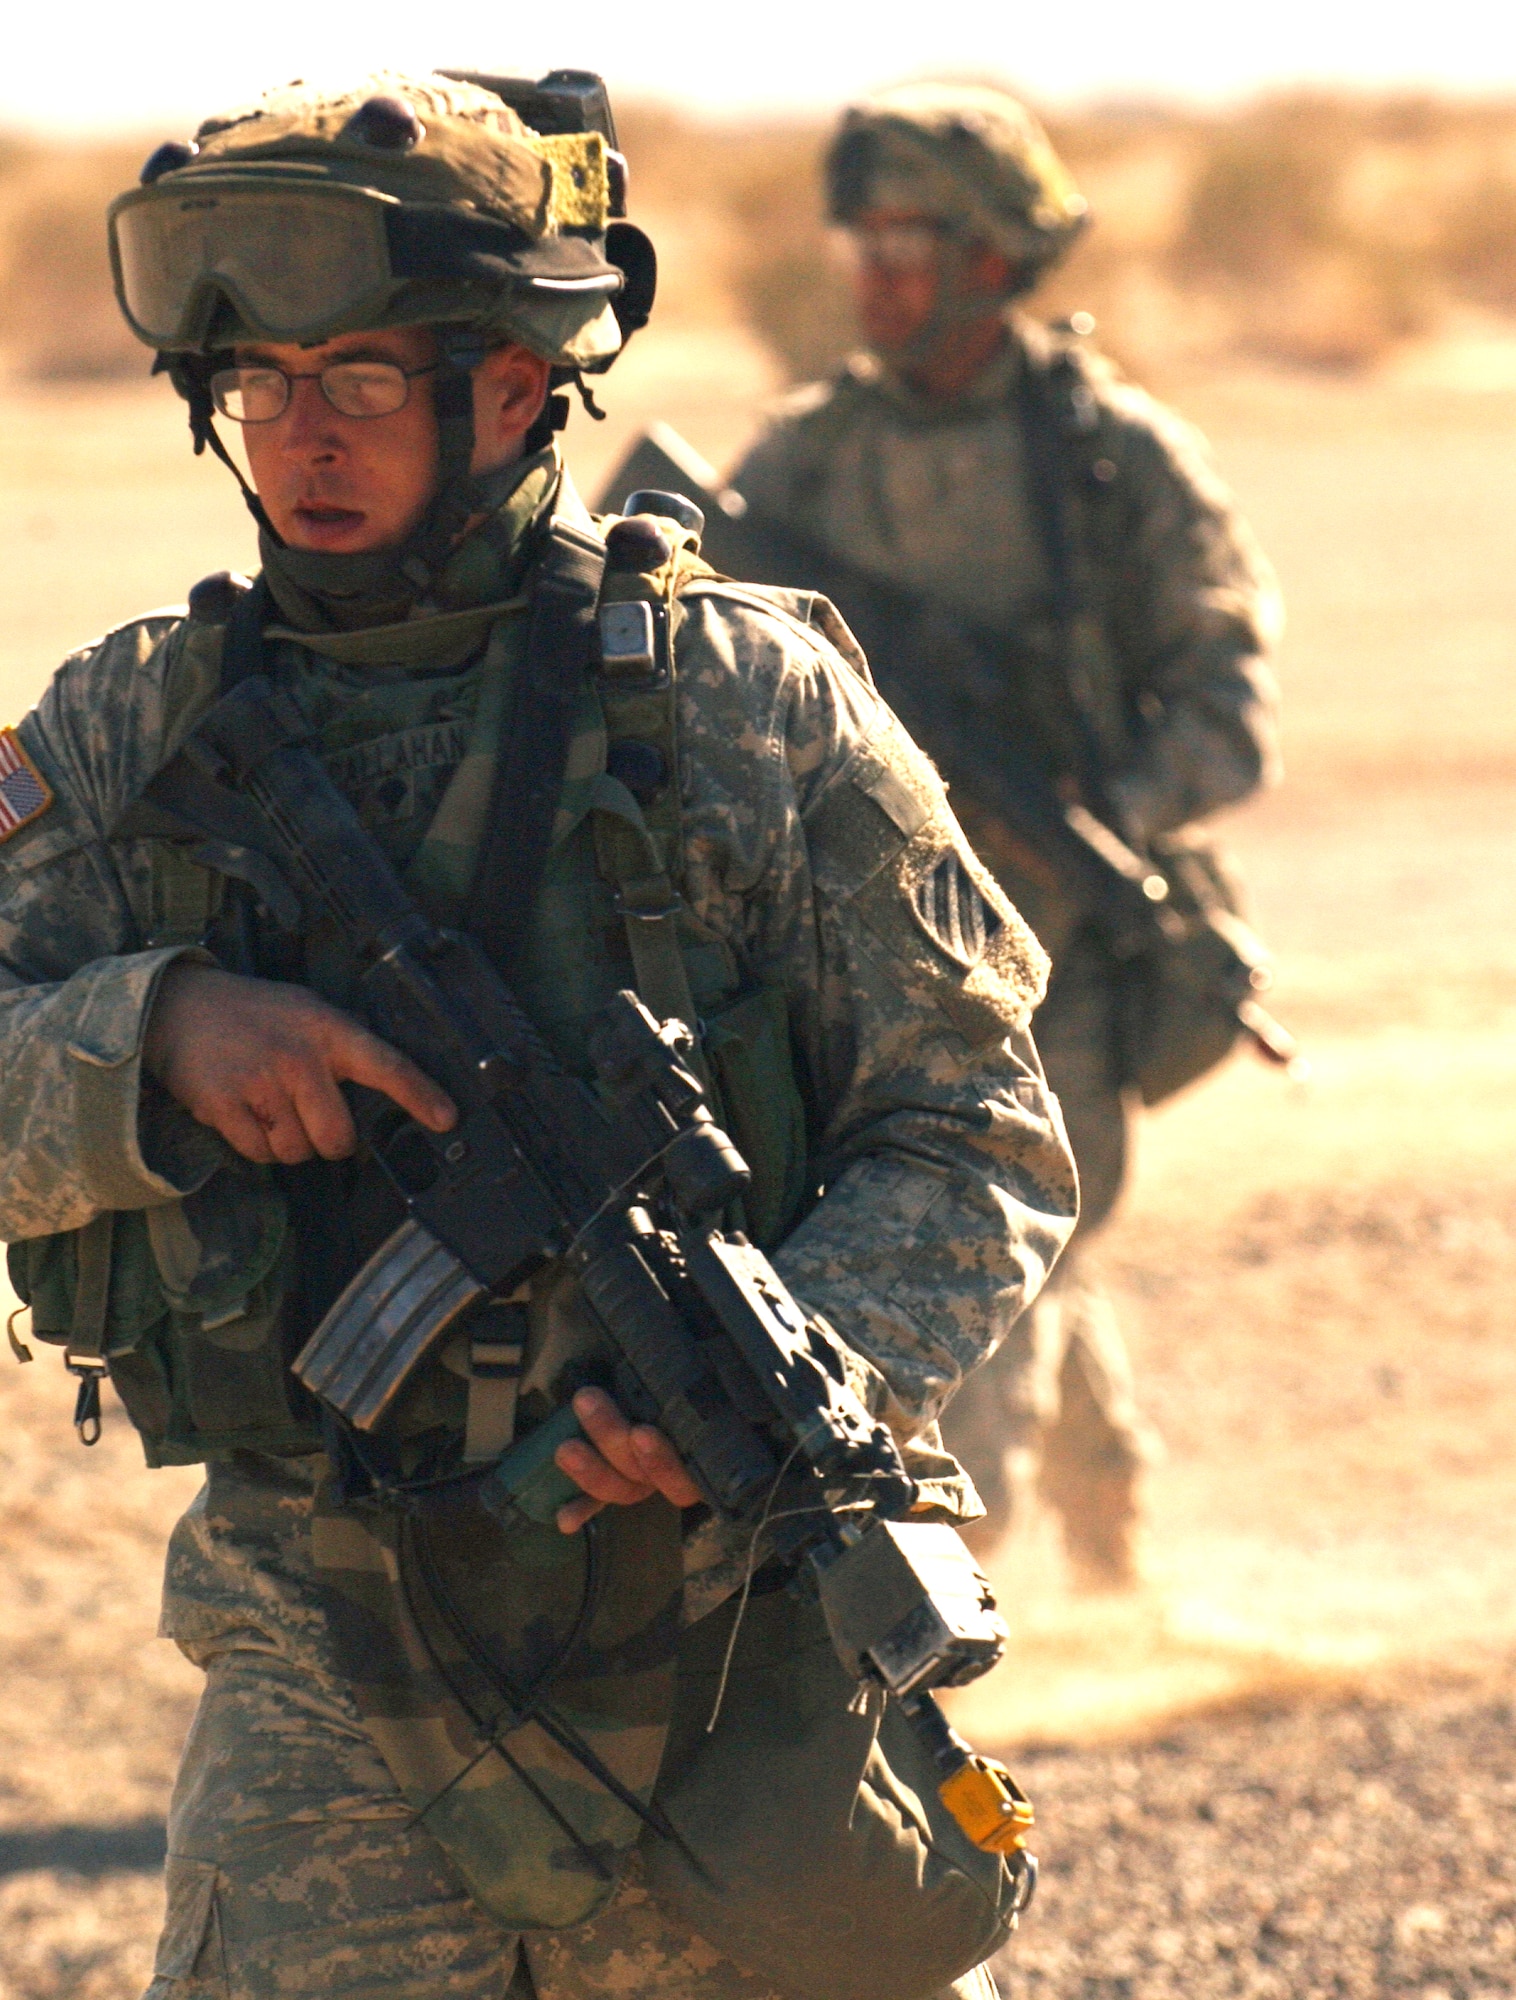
(510, 388)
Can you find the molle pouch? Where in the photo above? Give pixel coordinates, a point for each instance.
(748, 1049)
(193, 1333)
(44, 1272)
(1177, 1011)
(516, 1681)
(812, 1846)
(135, 1339)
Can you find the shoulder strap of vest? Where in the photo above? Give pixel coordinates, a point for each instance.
(218, 645)
(641, 705)
(242, 648)
(1058, 411)
(561, 650)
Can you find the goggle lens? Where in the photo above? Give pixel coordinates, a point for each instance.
(293, 262)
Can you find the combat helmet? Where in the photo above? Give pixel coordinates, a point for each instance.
(970, 154)
(486, 207)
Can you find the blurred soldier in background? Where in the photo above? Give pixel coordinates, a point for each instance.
(1042, 567)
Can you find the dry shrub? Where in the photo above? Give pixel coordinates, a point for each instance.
(1477, 252)
(1266, 193)
(1310, 230)
(787, 280)
(747, 201)
(1270, 231)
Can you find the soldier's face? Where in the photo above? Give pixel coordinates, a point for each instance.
(905, 264)
(897, 275)
(341, 484)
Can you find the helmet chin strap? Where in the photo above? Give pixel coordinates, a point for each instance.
(415, 565)
(421, 556)
(188, 374)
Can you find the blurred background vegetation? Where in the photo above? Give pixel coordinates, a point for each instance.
(1316, 232)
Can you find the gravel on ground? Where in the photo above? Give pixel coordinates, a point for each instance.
(1338, 1852)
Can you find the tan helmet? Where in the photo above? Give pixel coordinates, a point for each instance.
(486, 207)
(969, 154)
(395, 200)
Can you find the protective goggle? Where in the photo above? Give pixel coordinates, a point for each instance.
(298, 263)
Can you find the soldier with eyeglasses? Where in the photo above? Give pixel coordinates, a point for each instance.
(406, 1779)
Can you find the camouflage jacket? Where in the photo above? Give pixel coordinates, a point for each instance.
(948, 1185)
(816, 854)
(936, 498)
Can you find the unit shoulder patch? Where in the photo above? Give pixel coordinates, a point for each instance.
(952, 910)
(25, 794)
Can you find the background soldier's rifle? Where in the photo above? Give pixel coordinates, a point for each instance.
(967, 697)
(625, 1181)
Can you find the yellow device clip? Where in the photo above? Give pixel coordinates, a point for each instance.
(988, 1804)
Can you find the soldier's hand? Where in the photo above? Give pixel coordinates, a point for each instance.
(261, 1063)
(618, 1464)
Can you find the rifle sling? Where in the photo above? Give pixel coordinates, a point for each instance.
(561, 652)
(1054, 508)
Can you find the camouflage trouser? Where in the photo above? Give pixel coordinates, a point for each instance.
(295, 1869)
(1054, 1409)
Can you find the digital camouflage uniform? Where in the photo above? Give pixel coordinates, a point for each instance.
(300, 1863)
(936, 499)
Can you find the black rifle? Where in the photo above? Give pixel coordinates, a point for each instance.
(966, 695)
(625, 1182)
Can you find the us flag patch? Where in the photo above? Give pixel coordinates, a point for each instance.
(24, 792)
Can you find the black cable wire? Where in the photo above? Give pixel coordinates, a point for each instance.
(533, 1707)
(524, 1697)
(482, 1725)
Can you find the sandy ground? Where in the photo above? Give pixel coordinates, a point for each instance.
(1234, 1763)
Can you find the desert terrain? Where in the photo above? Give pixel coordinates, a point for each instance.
(1285, 1766)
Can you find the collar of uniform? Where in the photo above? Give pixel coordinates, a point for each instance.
(444, 640)
(485, 579)
(320, 594)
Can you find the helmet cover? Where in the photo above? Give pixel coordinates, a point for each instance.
(970, 155)
(396, 200)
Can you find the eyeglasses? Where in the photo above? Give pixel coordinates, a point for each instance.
(898, 246)
(259, 392)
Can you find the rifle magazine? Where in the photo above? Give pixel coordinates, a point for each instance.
(390, 1316)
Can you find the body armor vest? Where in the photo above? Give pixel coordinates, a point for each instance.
(196, 1307)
